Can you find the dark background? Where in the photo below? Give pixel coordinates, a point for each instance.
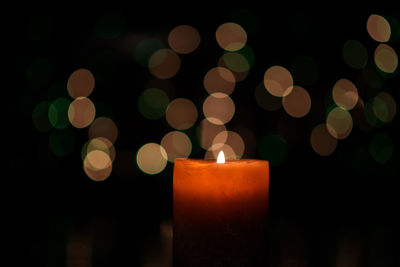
(323, 211)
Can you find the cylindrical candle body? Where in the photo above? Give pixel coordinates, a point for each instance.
(220, 212)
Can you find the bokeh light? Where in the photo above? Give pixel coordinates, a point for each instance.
(97, 165)
(177, 145)
(236, 62)
(229, 153)
(386, 58)
(345, 94)
(81, 112)
(322, 141)
(80, 83)
(384, 107)
(184, 39)
(298, 103)
(381, 148)
(40, 117)
(219, 79)
(99, 143)
(58, 113)
(378, 28)
(218, 108)
(145, 49)
(265, 100)
(151, 158)
(278, 81)
(304, 70)
(230, 138)
(181, 114)
(62, 142)
(273, 148)
(164, 63)
(231, 36)
(104, 127)
(355, 54)
(358, 115)
(370, 111)
(207, 132)
(339, 123)
(152, 103)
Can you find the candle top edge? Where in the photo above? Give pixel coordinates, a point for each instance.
(228, 161)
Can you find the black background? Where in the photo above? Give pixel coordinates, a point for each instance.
(320, 207)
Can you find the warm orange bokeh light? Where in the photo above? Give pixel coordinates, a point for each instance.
(81, 112)
(218, 108)
(378, 28)
(278, 81)
(184, 39)
(386, 58)
(164, 64)
(219, 79)
(339, 123)
(345, 94)
(181, 114)
(298, 103)
(104, 127)
(321, 141)
(231, 36)
(208, 131)
(80, 83)
(177, 145)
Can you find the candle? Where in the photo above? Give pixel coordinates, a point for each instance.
(220, 212)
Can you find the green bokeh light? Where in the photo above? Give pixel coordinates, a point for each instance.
(369, 114)
(381, 147)
(39, 72)
(274, 149)
(40, 117)
(62, 142)
(236, 62)
(355, 54)
(380, 109)
(152, 103)
(146, 48)
(110, 25)
(58, 113)
(304, 70)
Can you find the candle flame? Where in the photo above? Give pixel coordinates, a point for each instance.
(221, 157)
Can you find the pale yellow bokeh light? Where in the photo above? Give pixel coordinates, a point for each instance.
(378, 28)
(81, 112)
(298, 103)
(181, 113)
(218, 108)
(103, 144)
(345, 94)
(177, 145)
(322, 141)
(164, 63)
(97, 175)
(228, 152)
(219, 79)
(208, 131)
(80, 83)
(104, 127)
(339, 123)
(278, 81)
(386, 58)
(231, 36)
(231, 138)
(97, 160)
(184, 39)
(151, 158)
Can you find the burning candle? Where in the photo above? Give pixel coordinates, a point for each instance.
(220, 212)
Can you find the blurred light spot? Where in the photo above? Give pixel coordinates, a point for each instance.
(40, 27)
(99, 143)
(359, 117)
(97, 174)
(345, 94)
(384, 107)
(177, 145)
(219, 79)
(231, 36)
(321, 141)
(58, 113)
(274, 149)
(62, 142)
(247, 19)
(104, 127)
(97, 160)
(225, 148)
(236, 62)
(80, 83)
(339, 123)
(218, 108)
(164, 63)
(207, 132)
(184, 39)
(39, 72)
(386, 58)
(152, 103)
(378, 28)
(304, 70)
(278, 81)
(233, 139)
(298, 103)
(265, 100)
(355, 54)
(151, 158)
(381, 147)
(181, 114)
(369, 112)
(81, 112)
(110, 25)
(40, 117)
(145, 49)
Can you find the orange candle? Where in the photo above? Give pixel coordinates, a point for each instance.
(220, 212)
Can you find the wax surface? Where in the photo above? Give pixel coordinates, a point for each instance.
(220, 212)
